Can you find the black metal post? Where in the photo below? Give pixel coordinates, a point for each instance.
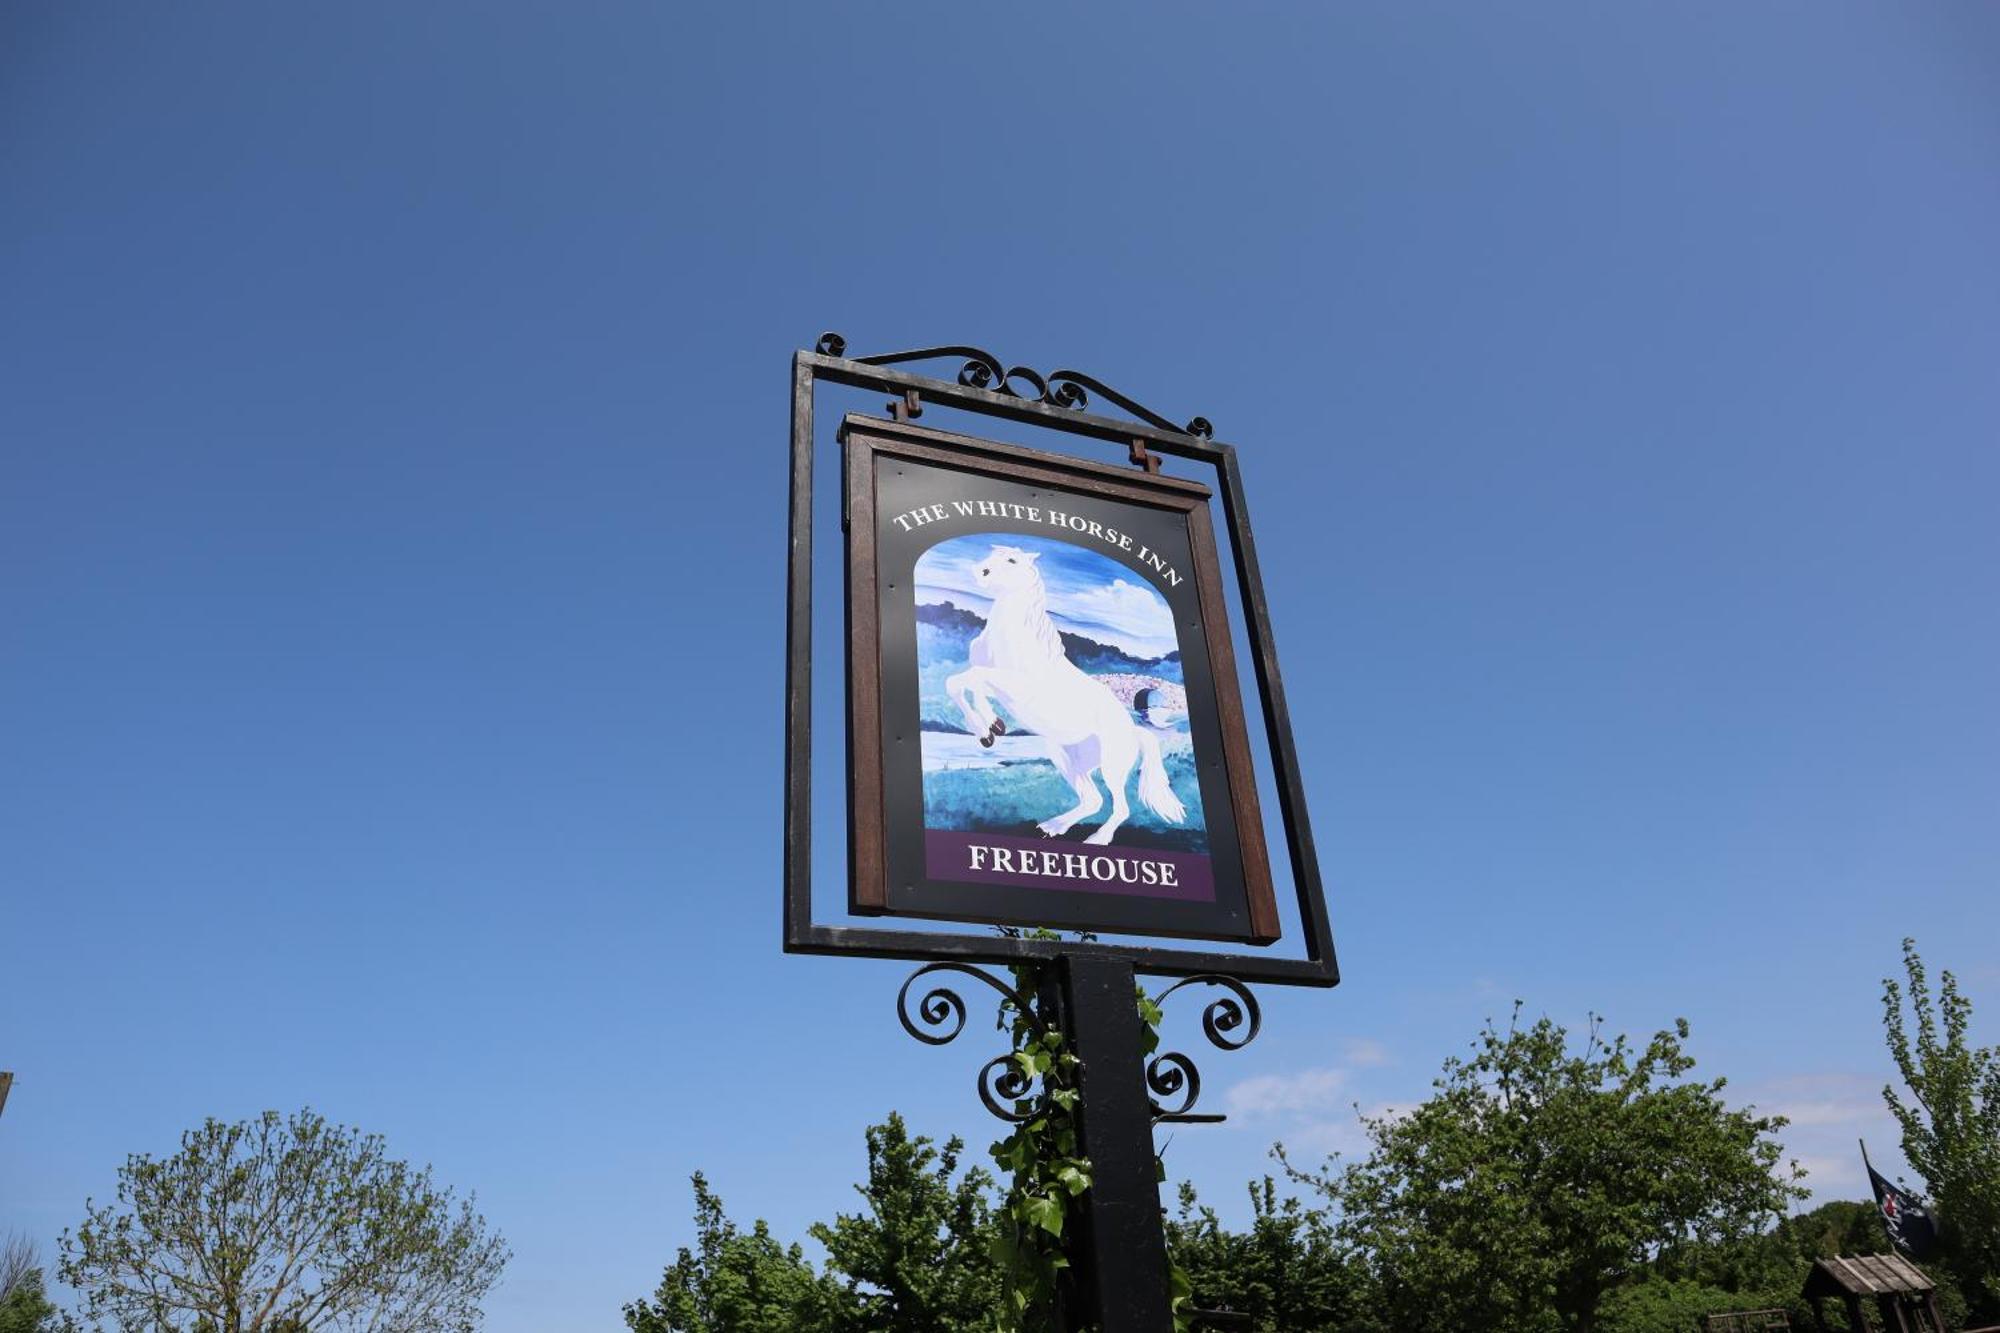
(1122, 1251)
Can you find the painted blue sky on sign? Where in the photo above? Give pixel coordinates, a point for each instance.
(1089, 592)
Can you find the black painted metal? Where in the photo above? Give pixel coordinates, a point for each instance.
(983, 370)
(1119, 1257)
(940, 1016)
(941, 1004)
(1173, 1074)
(1170, 1074)
(1123, 1245)
(1094, 999)
(1056, 409)
(1224, 1014)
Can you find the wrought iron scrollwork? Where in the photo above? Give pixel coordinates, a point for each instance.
(980, 369)
(1003, 1084)
(1169, 1074)
(1172, 1074)
(1226, 1013)
(939, 1016)
(941, 1004)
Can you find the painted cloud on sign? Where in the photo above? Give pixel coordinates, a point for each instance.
(1088, 593)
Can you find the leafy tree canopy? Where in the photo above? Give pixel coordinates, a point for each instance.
(281, 1225)
(1754, 1272)
(1951, 1122)
(1288, 1272)
(735, 1282)
(24, 1303)
(26, 1308)
(919, 1259)
(1538, 1178)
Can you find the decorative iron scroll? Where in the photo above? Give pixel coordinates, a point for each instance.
(1172, 1074)
(940, 1016)
(1167, 1074)
(1059, 388)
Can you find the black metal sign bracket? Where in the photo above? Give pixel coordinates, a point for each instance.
(1122, 1270)
(1058, 401)
(1121, 1247)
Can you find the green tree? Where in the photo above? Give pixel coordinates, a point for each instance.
(1536, 1179)
(1769, 1267)
(1763, 1271)
(1950, 1122)
(1757, 1272)
(25, 1306)
(1837, 1227)
(1668, 1305)
(919, 1259)
(1288, 1273)
(281, 1225)
(737, 1282)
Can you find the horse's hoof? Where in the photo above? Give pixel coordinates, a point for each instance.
(998, 728)
(986, 741)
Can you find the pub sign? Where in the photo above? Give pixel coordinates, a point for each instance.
(1045, 724)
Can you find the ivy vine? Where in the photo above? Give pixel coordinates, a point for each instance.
(1046, 1170)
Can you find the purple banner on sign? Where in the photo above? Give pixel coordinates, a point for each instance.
(1040, 863)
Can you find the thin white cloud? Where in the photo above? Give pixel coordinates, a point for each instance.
(1819, 1095)
(1311, 1112)
(1834, 1176)
(1830, 1114)
(1287, 1094)
(1348, 1134)
(1306, 1143)
(1366, 1053)
(1821, 1113)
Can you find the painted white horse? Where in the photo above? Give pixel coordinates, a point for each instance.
(1018, 661)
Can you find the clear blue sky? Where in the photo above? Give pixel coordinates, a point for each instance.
(391, 519)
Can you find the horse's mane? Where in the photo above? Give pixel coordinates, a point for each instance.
(1045, 638)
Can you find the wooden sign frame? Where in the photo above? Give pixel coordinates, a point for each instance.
(897, 864)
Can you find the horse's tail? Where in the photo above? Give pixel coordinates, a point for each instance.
(1154, 789)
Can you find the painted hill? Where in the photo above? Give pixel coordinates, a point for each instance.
(954, 624)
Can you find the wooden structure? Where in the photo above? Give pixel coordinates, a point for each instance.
(1905, 1300)
(1747, 1321)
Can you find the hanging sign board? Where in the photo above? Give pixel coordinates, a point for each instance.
(1045, 724)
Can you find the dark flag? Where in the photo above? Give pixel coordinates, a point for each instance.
(1907, 1221)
